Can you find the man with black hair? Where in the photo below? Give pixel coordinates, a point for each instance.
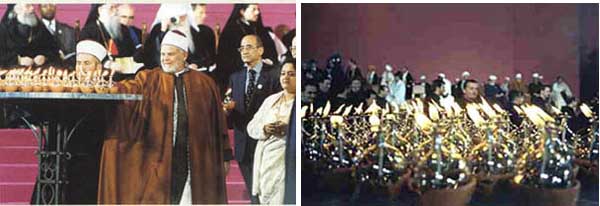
(470, 93)
(542, 98)
(516, 98)
(244, 19)
(353, 71)
(437, 93)
(309, 93)
(250, 87)
(408, 80)
(63, 34)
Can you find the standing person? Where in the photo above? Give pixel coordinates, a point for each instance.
(408, 80)
(172, 146)
(177, 16)
(560, 92)
(372, 77)
(250, 87)
(269, 126)
(353, 71)
(126, 15)
(24, 41)
(519, 85)
(387, 77)
(103, 25)
(397, 91)
(535, 86)
(244, 19)
(63, 34)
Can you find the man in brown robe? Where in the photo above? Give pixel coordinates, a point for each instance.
(146, 158)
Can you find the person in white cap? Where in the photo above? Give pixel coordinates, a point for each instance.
(422, 88)
(492, 90)
(181, 17)
(90, 55)
(171, 147)
(388, 76)
(518, 85)
(536, 85)
(457, 88)
(447, 85)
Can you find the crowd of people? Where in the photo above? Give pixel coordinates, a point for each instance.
(185, 65)
(395, 85)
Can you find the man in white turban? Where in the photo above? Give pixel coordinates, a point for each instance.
(171, 147)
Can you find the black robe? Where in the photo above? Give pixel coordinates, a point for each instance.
(229, 59)
(125, 45)
(204, 43)
(20, 40)
(97, 32)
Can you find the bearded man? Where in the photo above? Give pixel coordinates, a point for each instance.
(103, 26)
(24, 40)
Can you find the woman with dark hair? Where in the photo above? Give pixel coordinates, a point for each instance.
(270, 127)
(244, 19)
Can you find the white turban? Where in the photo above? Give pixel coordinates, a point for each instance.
(442, 75)
(493, 77)
(466, 73)
(93, 48)
(388, 67)
(176, 38)
(535, 75)
(169, 10)
(518, 76)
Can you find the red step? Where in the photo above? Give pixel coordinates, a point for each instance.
(15, 192)
(18, 154)
(18, 172)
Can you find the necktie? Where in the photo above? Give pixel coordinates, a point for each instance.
(51, 28)
(180, 162)
(250, 87)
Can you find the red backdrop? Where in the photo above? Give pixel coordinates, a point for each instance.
(273, 14)
(502, 39)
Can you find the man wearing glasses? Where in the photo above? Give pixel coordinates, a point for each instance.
(126, 15)
(249, 88)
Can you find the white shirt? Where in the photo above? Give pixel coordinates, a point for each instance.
(50, 25)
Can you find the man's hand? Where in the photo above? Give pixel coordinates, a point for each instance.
(226, 166)
(193, 66)
(228, 107)
(25, 61)
(39, 60)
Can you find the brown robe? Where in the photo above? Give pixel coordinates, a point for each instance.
(135, 166)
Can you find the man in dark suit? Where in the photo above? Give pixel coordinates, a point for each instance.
(62, 33)
(126, 15)
(408, 81)
(372, 77)
(249, 88)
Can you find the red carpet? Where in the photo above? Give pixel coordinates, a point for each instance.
(18, 168)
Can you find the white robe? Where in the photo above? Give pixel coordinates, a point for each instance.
(557, 98)
(268, 175)
(397, 92)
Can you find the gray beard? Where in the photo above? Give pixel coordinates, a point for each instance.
(113, 26)
(28, 19)
(168, 69)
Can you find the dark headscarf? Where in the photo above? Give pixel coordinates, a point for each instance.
(235, 17)
(93, 15)
(8, 14)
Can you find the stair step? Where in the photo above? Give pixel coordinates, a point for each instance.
(17, 154)
(15, 192)
(17, 137)
(18, 172)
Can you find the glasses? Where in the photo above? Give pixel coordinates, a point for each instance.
(128, 17)
(249, 47)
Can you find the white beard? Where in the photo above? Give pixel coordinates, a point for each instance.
(168, 69)
(113, 26)
(28, 19)
(188, 34)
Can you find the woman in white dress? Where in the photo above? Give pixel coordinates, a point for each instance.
(269, 126)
